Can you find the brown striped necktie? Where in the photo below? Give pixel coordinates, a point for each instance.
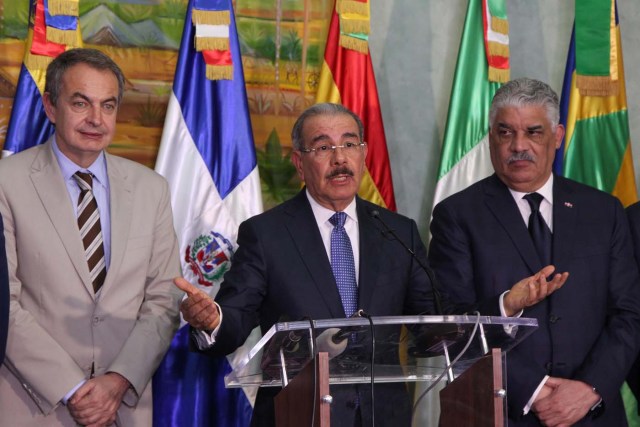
(90, 230)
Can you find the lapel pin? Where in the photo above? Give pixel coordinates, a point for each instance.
(568, 204)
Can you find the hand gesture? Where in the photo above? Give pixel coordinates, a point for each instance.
(533, 289)
(198, 309)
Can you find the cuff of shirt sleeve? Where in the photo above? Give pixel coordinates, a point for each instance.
(69, 395)
(529, 404)
(503, 312)
(206, 339)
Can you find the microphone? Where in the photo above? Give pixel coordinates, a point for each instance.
(333, 341)
(432, 277)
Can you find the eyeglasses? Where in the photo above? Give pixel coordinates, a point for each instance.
(324, 151)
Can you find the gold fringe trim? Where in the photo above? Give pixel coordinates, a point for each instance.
(613, 54)
(63, 7)
(597, 85)
(36, 62)
(212, 43)
(500, 25)
(211, 17)
(353, 43)
(66, 37)
(360, 26)
(350, 6)
(499, 75)
(498, 49)
(219, 72)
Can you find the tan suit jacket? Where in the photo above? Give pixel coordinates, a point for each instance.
(57, 327)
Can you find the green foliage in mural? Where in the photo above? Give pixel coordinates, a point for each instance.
(291, 47)
(277, 173)
(15, 19)
(151, 114)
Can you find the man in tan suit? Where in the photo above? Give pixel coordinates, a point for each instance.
(82, 346)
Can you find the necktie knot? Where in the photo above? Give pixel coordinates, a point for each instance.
(534, 200)
(84, 180)
(338, 219)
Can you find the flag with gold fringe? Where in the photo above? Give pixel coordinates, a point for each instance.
(496, 39)
(483, 63)
(61, 28)
(208, 157)
(28, 125)
(595, 45)
(211, 23)
(347, 78)
(596, 149)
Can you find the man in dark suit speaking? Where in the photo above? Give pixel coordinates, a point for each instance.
(324, 254)
(521, 218)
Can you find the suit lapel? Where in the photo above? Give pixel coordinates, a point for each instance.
(121, 201)
(565, 212)
(304, 232)
(370, 255)
(503, 207)
(52, 191)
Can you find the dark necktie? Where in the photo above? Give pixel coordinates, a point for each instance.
(90, 230)
(342, 264)
(538, 228)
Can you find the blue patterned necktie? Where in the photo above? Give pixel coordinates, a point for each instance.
(342, 264)
(538, 228)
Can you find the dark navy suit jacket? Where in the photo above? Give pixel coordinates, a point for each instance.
(281, 268)
(589, 330)
(633, 214)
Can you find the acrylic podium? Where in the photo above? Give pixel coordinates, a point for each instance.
(307, 358)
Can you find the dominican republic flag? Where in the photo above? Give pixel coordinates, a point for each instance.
(208, 156)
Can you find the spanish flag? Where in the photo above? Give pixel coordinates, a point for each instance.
(28, 125)
(347, 78)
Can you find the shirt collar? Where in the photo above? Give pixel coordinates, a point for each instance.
(98, 168)
(323, 214)
(546, 191)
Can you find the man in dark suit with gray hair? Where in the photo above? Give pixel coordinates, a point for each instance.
(293, 261)
(521, 218)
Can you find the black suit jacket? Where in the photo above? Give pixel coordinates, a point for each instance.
(633, 214)
(4, 294)
(281, 268)
(589, 330)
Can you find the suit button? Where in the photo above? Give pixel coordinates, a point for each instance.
(553, 318)
(96, 320)
(548, 366)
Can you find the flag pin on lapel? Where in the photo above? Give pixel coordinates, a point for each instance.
(568, 204)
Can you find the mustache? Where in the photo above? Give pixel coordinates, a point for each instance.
(342, 170)
(523, 155)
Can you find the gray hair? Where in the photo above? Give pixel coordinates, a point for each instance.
(526, 92)
(321, 110)
(91, 57)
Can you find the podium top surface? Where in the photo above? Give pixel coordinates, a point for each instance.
(405, 348)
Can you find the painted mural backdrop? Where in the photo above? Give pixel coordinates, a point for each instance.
(282, 43)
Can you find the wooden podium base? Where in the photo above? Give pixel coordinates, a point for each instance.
(475, 398)
(294, 404)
